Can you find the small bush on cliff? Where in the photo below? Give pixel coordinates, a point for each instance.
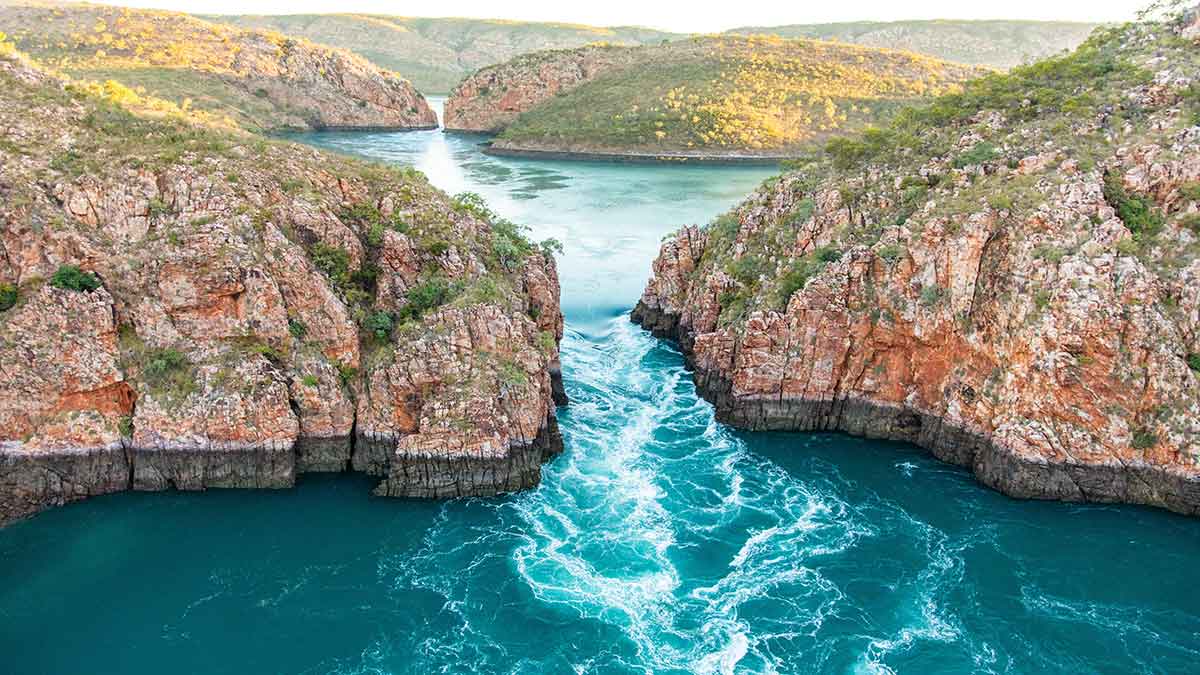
(380, 325)
(333, 261)
(1136, 212)
(72, 278)
(168, 371)
(1193, 361)
(932, 295)
(804, 269)
(1144, 439)
(431, 293)
(8, 296)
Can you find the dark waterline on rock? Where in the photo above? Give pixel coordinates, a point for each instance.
(660, 541)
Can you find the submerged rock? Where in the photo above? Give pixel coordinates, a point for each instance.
(193, 308)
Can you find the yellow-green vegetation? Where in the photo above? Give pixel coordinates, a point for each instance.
(918, 163)
(178, 62)
(996, 44)
(722, 95)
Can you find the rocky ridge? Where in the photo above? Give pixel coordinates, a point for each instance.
(703, 98)
(184, 307)
(1007, 277)
(257, 80)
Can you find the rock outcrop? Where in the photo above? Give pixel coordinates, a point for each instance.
(182, 307)
(253, 79)
(1007, 278)
(492, 98)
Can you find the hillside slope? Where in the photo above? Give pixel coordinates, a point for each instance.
(251, 79)
(1009, 277)
(182, 307)
(995, 44)
(711, 96)
(437, 53)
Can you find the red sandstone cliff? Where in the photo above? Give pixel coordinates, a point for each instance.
(244, 311)
(1011, 280)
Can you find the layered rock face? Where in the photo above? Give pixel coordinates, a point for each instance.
(491, 98)
(253, 79)
(1007, 278)
(187, 308)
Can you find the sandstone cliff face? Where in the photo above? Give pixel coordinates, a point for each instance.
(253, 79)
(491, 98)
(1016, 290)
(244, 311)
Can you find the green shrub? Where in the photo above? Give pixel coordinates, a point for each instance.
(164, 367)
(747, 269)
(297, 328)
(310, 380)
(1136, 212)
(431, 293)
(797, 276)
(380, 324)
(828, 254)
(890, 252)
(932, 295)
(1144, 439)
(1191, 191)
(8, 296)
(803, 212)
(982, 152)
(125, 426)
(1049, 253)
(346, 373)
(333, 261)
(72, 278)
(1193, 361)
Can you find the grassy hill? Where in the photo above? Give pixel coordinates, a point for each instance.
(436, 53)
(729, 95)
(997, 44)
(250, 79)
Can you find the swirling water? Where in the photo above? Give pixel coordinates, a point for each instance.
(659, 542)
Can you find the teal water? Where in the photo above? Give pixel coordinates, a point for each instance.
(659, 542)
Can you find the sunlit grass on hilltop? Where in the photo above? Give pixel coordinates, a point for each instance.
(752, 94)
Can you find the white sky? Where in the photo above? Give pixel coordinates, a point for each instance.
(692, 16)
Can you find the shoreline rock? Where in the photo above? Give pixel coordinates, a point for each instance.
(992, 466)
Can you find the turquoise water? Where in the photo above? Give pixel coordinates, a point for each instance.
(659, 542)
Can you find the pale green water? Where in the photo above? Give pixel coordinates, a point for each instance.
(659, 542)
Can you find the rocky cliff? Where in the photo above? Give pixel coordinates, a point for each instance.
(182, 307)
(492, 98)
(1007, 277)
(254, 79)
(727, 96)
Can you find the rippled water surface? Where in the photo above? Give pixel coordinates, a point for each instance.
(659, 542)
